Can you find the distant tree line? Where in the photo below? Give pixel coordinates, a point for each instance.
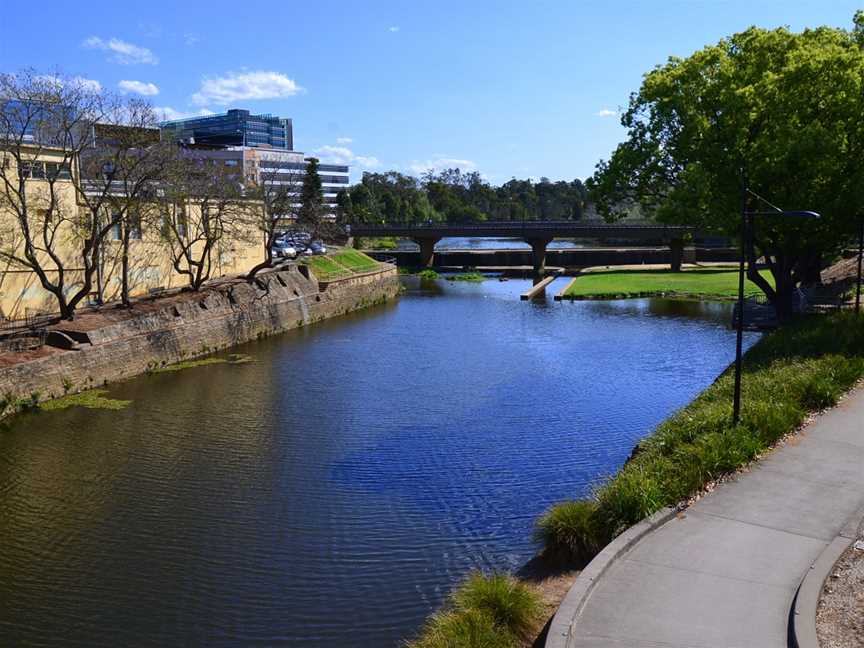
(454, 196)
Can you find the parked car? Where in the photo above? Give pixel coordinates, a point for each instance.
(318, 247)
(283, 250)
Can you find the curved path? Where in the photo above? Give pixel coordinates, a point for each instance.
(725, 572)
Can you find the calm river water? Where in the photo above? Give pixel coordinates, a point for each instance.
(332, 492)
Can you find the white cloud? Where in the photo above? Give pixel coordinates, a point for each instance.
(344, 155)
(139, 87)
(605, 113)
(166, 113)
(393, 29)
(191, 38)
(89, 85)
(344, 140)
(121, 51)
(440, 163)
(245, 85)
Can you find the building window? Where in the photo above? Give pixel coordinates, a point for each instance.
(134, 227)
(57, 171)
(25, 169)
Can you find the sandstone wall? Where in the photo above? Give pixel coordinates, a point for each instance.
(218, 319)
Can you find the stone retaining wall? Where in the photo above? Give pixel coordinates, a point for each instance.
(219, 318)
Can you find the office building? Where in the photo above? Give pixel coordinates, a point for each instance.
(234, 128)
(261, 144)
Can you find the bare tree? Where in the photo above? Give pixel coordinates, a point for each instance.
(202, 204)
(130, 156)
(277, 195)
(60, 189)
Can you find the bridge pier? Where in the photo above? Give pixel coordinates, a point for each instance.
(538, 249)
(427, 249)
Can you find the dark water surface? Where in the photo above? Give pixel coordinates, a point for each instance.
(332, 492)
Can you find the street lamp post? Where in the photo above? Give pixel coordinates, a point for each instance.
(746, 231)
(860, 255)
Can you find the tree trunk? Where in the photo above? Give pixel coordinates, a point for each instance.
(67, 312)
(266, 263)
(124, 266)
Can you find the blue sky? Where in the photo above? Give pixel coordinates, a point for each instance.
(524, 89)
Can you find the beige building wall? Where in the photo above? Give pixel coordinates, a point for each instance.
(151, 268)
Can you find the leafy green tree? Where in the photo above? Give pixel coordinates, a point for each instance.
(458, 197)
(391, 197)
(311, 209)
(775, 111)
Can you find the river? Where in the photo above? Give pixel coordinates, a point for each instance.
(332, 492)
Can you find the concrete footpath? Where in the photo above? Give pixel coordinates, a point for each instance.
(724, 573)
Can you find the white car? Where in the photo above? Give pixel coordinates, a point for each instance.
(282, 250)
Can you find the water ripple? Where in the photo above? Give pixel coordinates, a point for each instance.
(333, 491)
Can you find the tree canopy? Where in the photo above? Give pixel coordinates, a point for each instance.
(781, 113)
(455, 196)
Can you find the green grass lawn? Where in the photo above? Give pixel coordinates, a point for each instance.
(342, 263)
(355, 260)
(720, 283)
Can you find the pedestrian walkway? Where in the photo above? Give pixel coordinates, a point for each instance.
(725, 572)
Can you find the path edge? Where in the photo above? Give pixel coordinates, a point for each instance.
(561, 629)
(802, 616)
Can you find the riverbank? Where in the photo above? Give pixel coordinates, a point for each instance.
(788, 375)
(802, 368)
(111, 344)
(743, 565)
(713, 283)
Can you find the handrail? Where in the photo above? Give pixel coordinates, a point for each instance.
(525, 225)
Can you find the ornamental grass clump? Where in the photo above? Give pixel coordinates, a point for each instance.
(511, 604)
(571, 529)
(495, 611)
(461, 629)
(789, 374)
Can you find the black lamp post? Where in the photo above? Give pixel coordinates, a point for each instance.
(746, 230)
(860, 256)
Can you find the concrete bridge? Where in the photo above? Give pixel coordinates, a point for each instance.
(538, 234)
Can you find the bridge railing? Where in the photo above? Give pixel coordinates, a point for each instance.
(522, 225)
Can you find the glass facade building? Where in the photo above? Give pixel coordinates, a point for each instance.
(234, 128)
(262, 144)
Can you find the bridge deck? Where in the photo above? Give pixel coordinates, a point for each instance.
(529, 230)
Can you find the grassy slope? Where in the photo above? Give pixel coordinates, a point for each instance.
(342, 263)
(788, 374)
(704, 282)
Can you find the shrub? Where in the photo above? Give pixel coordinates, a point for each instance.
(472, 277)
(427, 275)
